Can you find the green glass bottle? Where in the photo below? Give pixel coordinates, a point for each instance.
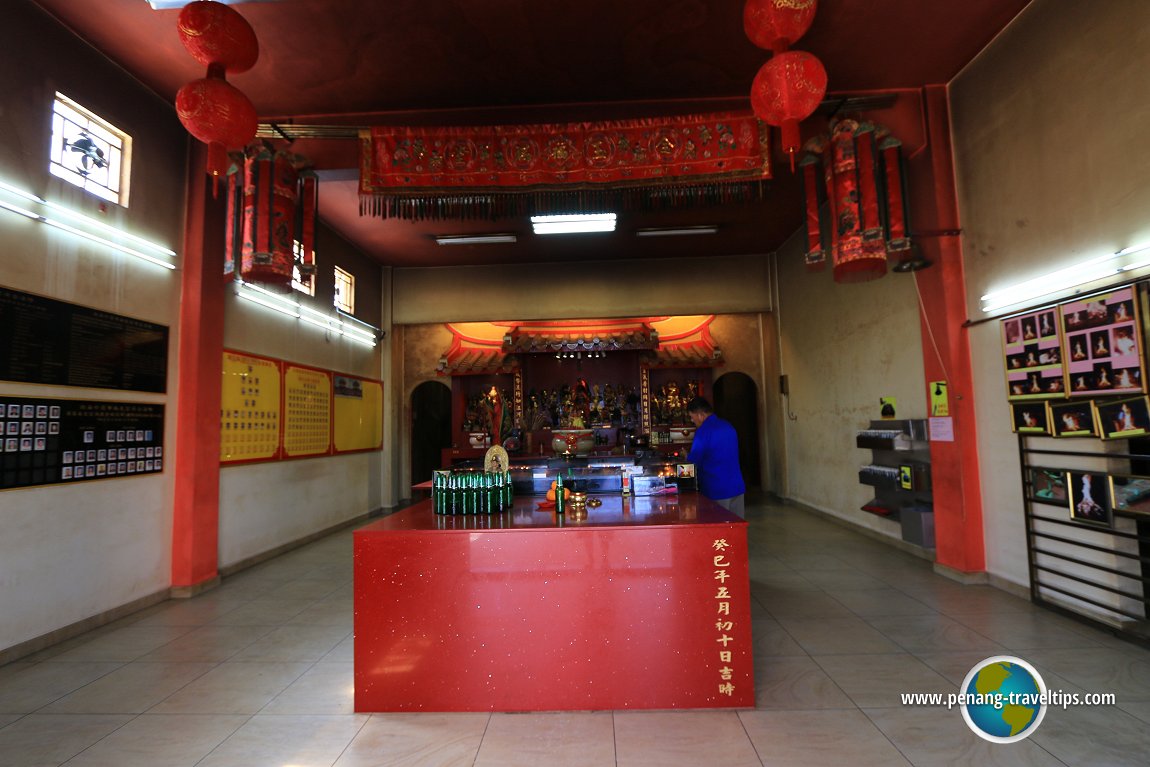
(560, 501)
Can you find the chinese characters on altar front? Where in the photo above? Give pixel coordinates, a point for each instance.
(724, 625)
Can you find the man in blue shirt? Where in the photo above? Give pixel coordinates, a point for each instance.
(715, 453)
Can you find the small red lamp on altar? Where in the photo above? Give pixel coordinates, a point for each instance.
(211, 109)
(775, 25)
(787, 90)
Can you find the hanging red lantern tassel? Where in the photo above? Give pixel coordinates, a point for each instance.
(775, 25)
(786, 90)
(816, 257)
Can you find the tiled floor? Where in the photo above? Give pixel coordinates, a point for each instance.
(258, 673)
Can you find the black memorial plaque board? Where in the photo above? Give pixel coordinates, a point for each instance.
(50, 441)
(45, 341)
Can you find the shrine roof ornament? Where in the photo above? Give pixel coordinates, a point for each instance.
(667, 342)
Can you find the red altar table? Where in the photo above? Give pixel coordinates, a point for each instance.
(643, 604)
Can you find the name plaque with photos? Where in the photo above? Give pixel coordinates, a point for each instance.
(61, 344)
(52, 441)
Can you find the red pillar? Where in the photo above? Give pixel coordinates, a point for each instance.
(196, 507)
(946, 344)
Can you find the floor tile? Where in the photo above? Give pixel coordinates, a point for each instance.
(877, 603)
(563, 739)
(160, 741)
(328, 612)
(769, 638)
(1028, 630)
(837, 636)
(46, 740)
(125, 644)
(37, 685)
(934, 633)
(682, 739)
(795, 683)
(209, 643)
(327, 688)
(233, 688)
(300, 741)
(294, 643)
(938, 737)
(1099, 670)
(263, 612)
(819, 739)
(1101, 736)
(130, 689)
(801, 604)
(416, 740)
(878, 680)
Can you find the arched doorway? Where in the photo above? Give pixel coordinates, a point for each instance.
(430, 428)
(737, 401)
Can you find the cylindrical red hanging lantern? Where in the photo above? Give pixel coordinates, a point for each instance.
(219, 115)
(216, 34)
(307, 213)
(855, 260)
(896, 234)
(816, 257)
(269, 205)
(775, 25)
(787, 89)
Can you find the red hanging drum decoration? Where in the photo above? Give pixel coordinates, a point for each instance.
(865, 201)
(218, 114)
(775, 25)
(787, 89)
(216, 34)
(212, 110)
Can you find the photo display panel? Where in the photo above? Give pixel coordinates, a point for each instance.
(1103, 345)
(249, 408)
(52, 342)
(1032, 348)
(53, 441)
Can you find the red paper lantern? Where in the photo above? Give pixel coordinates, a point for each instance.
(775, 25)
(216, 34)
(219, 115)
(787, 89)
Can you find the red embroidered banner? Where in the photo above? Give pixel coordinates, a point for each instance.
(430, 172)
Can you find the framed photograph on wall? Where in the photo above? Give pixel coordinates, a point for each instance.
(1103, 345)
(1032, 352)
(1048, 486)
(1089, 500)
(1123, 418)
(1130, 494)
(1074, 418)
(1031, 417)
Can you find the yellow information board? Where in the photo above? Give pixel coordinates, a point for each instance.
(249, 408)
(358, 414)
(307, 411)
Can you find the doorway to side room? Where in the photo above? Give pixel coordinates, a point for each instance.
(430, 428)
(736, 401)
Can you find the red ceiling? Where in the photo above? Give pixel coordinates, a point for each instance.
(362, 62)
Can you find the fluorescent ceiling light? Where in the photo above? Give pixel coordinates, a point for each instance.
(574, 223)
(475, 239)
(676, 231)
(1065, 280)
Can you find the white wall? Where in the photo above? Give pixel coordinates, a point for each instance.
(267, 505)
(842, 347)
(69, 553)
(1048, 127)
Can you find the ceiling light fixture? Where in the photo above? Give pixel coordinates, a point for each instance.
(1072, 278)
(676, 231)
(474, 239)
(573, 223)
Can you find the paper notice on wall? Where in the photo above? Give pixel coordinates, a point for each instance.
(942, 429)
